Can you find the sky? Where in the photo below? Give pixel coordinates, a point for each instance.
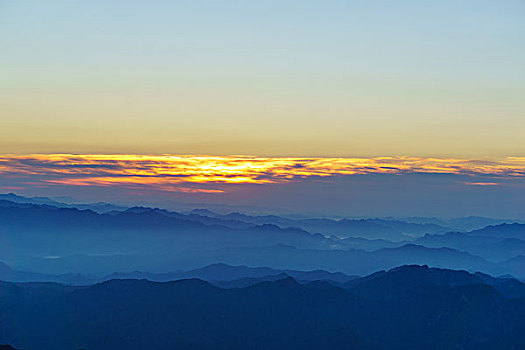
(283, 81)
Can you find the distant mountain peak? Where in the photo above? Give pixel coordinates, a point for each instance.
(203, 212)
(409, 268)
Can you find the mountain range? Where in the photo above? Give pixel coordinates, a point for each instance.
(409, 307)
(99, 276)
(99, 207)
(56, 240)
(211, 273)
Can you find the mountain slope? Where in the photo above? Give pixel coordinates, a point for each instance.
(438, 310)
(100, 207)
(496, 243)
(31, 229)
(224, 272)
(389, 229)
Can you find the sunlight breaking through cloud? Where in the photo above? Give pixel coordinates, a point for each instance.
(184, 173)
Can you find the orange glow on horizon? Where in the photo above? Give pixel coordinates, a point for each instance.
(176, 172)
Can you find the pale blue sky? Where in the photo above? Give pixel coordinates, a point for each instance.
(273, 78)
(340, 78)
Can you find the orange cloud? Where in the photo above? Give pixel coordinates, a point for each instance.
(482, 183)
(185, 173)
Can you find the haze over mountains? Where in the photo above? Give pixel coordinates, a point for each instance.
(107, 277)
(59, 239)
(430, 224)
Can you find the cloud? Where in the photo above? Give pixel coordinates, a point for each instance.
(212, 174)
(483, 183)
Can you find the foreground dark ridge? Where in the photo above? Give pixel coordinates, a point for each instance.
(411, 307)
